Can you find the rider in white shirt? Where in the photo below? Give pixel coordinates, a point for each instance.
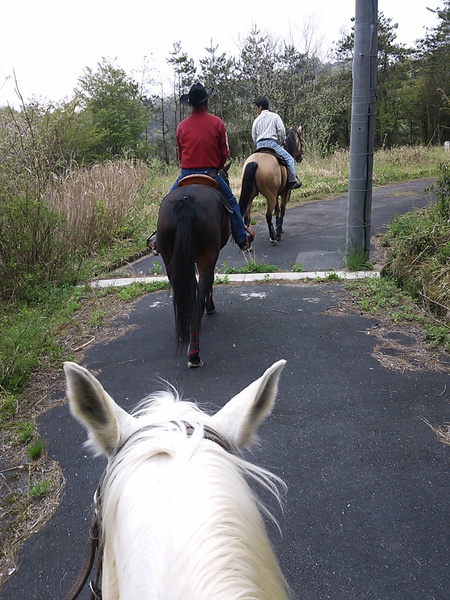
(268, 131)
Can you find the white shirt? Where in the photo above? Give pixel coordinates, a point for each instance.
(268, 126)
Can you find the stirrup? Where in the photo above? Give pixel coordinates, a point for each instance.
(151, 244)
(250, 233)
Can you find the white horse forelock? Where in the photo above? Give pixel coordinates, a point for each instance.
(178, 516)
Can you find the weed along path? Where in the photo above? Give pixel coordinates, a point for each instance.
(366, 512)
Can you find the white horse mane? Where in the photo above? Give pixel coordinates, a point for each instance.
(179, 518)
(166, 412)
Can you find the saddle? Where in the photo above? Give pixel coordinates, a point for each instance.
(203, 180)
(271, 151)
(199, 179)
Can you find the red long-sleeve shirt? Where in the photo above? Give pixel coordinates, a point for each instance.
(202, 141)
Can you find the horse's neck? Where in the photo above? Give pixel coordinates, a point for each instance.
(182, 526)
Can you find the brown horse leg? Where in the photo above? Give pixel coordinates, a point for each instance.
(209, 305)
(193, 355)
(193, 352)
(205, 292)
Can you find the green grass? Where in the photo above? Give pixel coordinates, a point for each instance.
(25, 432)
(358, 260)
(40, 489)
(249, 267)
(35, 449)
(382, 295)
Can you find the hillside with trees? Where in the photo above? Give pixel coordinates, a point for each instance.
(111, 115)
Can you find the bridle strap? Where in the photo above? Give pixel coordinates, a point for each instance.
(214, 436)
(208, 433)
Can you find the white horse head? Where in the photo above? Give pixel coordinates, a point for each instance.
(178, 518)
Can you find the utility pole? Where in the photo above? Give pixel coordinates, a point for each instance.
(362, 129)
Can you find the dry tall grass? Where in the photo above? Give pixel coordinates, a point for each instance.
(98, 202)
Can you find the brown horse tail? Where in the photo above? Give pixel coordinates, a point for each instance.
(182, 271)
(248, 186)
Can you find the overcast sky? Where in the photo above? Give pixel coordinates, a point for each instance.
(48, 43)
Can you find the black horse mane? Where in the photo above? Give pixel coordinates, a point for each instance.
(290, 143)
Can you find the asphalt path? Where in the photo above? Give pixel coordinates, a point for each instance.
(314, 233)
(367, 510)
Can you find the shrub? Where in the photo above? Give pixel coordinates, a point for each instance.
(33, 248)
(419, 251)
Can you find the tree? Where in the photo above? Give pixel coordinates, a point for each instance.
(434, 76)
(392, 75)
(113, 108)
(219, 72)
(184, 73)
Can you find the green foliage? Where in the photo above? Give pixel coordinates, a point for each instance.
(114, 112)
(137, 289)
(358, 260)
(35, 449)
(33, 250)
(25, 432)
(8, 407)
(40, 489)
(297, 267)
(442, 190)
(384, 295)
(381, 294)
(419, 249)
(27, 333)
(249, 267)
(332, 276)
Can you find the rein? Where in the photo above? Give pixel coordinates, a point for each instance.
(77, 587)
(94, 545)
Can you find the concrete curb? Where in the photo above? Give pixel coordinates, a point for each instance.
(245, 277)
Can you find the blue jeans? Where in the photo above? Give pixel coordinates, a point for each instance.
(282, 152)
(237, 222)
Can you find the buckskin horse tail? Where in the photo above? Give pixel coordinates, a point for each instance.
(183, 271)
(248, 187)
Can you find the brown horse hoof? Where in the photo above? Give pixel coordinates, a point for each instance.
(194, 362)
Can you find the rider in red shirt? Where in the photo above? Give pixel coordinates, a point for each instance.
(202, 146)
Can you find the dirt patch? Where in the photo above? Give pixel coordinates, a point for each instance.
(400, 347)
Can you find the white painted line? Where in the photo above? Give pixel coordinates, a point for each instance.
(245, 277)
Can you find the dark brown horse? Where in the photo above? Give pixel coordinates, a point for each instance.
(193, 226)
(265, 173)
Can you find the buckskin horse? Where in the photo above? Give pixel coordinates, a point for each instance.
(265, 173)
(193, 226)
(175, 514)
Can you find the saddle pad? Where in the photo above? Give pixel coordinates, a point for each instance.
(271, 151)
(198, 178)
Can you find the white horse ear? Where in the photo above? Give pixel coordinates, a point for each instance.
(92, 406)
(241, 416)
